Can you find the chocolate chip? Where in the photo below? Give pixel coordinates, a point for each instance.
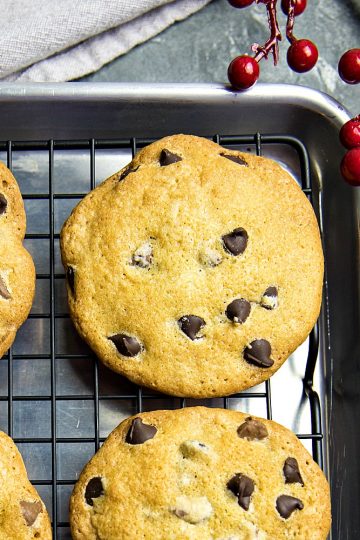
(191, 325)
(139, 432)
(258, 353)
(127, 171)
(236, 241)
(285, 505)
(30, 511)
(3, 290)
(3, 204)
(252, 430)
(126, 345)
(143, 256)
(269, 299)
(292, 472)
(94, 489)
(70, 276)
(168, 158)
(236, 159)
(243, 487)
(238, 310)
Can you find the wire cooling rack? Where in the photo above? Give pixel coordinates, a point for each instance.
(56, 400)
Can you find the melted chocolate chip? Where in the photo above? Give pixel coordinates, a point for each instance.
(94, 489)
(168, 158)
(269, 299)
(243, 487)
(253, 430)
(236, 159)
(236, 241)
(238, 310)
(139, 432)
(70, 276)
(258, 353)
(30, 511)
(127, 171)
(3, 204)
(126, 345)
(292, 472)
(191, 325)
(3, 290)
(285, 505)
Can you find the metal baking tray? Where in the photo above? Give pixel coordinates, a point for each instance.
(56, 400)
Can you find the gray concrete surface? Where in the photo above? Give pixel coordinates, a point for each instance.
(200, 48)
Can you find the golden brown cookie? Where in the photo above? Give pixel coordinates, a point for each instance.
(23, 515)
(17, 273)
(200, 474)
(195, 270)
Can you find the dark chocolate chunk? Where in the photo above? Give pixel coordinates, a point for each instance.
(3, 290)
(191, 325)
(243, 487)
(70, 276)
(126, 345)
(140, 432)
(285, 505)
(238, 310)
(236, 241)
(168, 158)
(3, 204)
(292, 472)
(127, 171)
(30, 511)
(94, 489)
(236, 159)
(253, 430)
(269, 299)
(258, 353)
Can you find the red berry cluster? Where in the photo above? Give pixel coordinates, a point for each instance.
(350, 138)
(302, 55)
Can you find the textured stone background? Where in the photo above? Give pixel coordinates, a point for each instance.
(200, 48)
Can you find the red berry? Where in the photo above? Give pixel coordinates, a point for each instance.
(350, 133)
(299, 8)
(349, 66)
(302, 55)
(350, 167)
(240, 3)
(243, 72)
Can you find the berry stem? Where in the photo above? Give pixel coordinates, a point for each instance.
(272, 44)
(290, 22)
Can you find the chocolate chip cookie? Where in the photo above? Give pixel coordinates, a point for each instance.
(17, 273)
(23, 515)
(196, 270)
(200, 474)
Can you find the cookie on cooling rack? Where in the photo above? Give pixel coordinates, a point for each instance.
(196, 270)
(23, 515)
(17, 273)
(200, 474)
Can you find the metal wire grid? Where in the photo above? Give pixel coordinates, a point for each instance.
(91, 146)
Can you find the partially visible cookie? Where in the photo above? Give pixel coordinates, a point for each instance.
(200, 474)
(17, 272)
(23, 515)
(196, 270)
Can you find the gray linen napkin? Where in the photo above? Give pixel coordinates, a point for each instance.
(59, 40)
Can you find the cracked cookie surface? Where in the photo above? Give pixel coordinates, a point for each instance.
(195, 270)
(17, 272)
(200, 474)
(23, 515)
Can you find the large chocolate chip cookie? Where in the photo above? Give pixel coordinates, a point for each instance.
(17, 273)
(23, 515)
(195, 270)
(200, 474)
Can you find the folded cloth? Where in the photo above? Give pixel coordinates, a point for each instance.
(59, 40)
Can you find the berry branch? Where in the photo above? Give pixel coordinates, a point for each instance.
(272, 44)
